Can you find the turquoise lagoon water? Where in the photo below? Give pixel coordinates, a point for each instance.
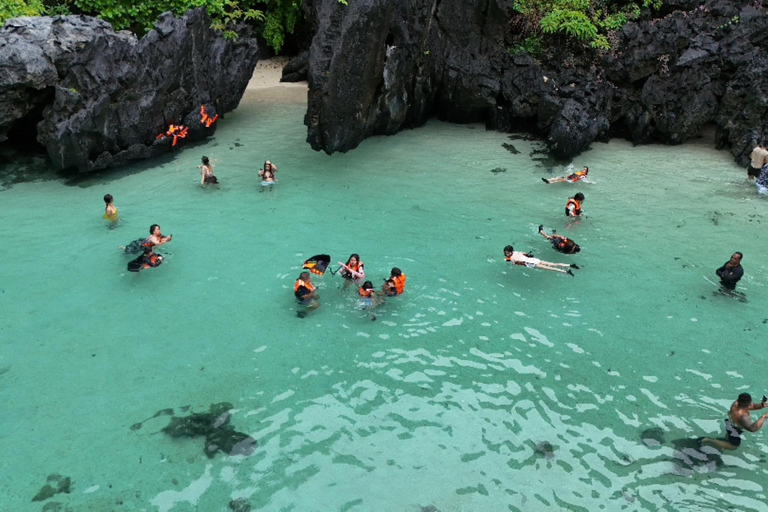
(484, 387)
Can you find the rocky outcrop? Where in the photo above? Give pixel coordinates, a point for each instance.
(381, 66)
(97, 99)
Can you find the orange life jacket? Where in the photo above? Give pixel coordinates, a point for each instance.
(399, 283)
(560, 241)
(576, 207)
(300, 283)
(205, 118)
(346, 272)
(579, 174)
(365, 293)
(177, 131)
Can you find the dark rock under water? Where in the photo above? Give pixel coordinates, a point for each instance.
(380, 67)
(93, 98)
(56, 484)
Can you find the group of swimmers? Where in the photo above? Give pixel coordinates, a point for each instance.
(266, 173)
(353, 272)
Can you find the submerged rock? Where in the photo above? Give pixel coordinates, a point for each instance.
(56, 484)
(376, 68)
(95, 98)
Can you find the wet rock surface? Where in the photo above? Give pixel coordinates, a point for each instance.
(95, 99)
(380, 67)
(56, 484)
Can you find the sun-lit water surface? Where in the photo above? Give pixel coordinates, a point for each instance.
(483, 387)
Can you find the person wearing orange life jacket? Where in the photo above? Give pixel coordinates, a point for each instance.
(368, 299)
(395, 285)
(147, 260)
(353, 270)
(573, 206)
(571, 178)
(527, 260)
(560, 243)
(305, 293)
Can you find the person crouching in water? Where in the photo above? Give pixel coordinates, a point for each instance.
(110, 211)
(206, 176)
(304, 291)
(571, 178)
(368, 298)
(395, 285)
(560, 243)
(147, 260)
(527, 260)
(353, 271)
(573, 206)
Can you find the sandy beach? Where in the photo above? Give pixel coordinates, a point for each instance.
(265, 84)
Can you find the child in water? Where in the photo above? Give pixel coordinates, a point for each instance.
(368, 299)
(110, 211)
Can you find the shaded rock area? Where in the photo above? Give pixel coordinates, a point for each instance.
(56, 484)
(213, 425)
(94, 98)
(377, 67)
(297, 68)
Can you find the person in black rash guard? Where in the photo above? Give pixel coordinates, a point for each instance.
(147, 260)
(731, 272)
(560, 243)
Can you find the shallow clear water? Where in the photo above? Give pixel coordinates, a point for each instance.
(483, 387)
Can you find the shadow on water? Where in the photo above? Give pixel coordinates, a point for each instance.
(691, 457)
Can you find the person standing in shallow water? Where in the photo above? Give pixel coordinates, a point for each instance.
(757, 159)
(573, 206)
(738, 421)
(206, 175)
(110, 210)
(731, 272)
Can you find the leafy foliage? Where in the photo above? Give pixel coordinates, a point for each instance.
(17, 8)
(584, 20)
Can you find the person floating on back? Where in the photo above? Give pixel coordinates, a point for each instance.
(206, 176)
(571, 178)
(738, 421)
(395, 285)
(573, 206)
(731, 272)
(305, 293)
(147, 260)
(527, 260)
(110, 211)
(560, 243)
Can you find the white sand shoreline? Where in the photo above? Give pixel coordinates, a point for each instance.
(265, 83)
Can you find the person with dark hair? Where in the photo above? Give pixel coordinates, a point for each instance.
(154, 239)
(267, 175)
(560, 243)
(731, 272)
(757, 159)
(353, 270)
(368, 298)
(573, 206)
(527, 260)
(147, 260)
(207, 176)
(738, 421)
(571, 178)
(110, 211)
(397, 279)
(304, 291)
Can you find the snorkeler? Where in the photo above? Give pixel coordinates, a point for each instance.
(573, 206)
(353, 270)
(571, 178)
(147, 260)
(267, 175)
(154, 239)
(527, 260)
(560, 243)
(207, 176)
(110, 211)
(738, 421)
(304, 291)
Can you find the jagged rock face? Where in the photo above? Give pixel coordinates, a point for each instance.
(103, 97)
(380, 66)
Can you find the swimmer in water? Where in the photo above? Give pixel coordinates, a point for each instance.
(571, 178)
(573, 205)
(527, 260)
(110, 211)
(154, 239)
(305, 293)
(267, 175)
(206, 175)
(395, 285)
(560, 243)
(147, 260)
(353, 271)
(368, 299)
